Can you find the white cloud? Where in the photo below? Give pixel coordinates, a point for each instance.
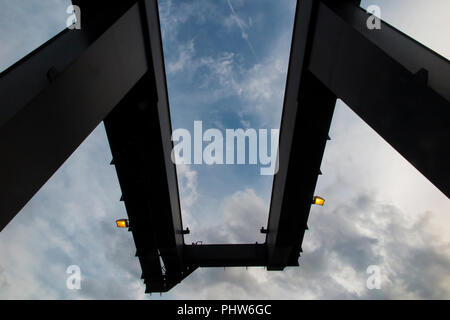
(241, 24)
(237, 217)
(173, 15)
(240, 217)
(260, 87)
(32, 23)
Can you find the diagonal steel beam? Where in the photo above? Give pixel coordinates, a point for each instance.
(37, 137)
(396, 85)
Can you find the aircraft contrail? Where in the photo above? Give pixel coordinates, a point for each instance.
(244, 34)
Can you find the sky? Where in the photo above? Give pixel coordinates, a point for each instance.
(226, 64)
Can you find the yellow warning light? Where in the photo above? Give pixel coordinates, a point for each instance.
(318, 201)
(122, 223)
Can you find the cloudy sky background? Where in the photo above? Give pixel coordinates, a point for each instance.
(226, 63)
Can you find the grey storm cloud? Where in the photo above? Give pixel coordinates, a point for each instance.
(342, 242)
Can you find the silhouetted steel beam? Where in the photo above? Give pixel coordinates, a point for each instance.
(157, 56)
(307, 112)
(23, 81)
(37, 137)
(396, 85)
(134, 135)
(135, 139)
(139, 132)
